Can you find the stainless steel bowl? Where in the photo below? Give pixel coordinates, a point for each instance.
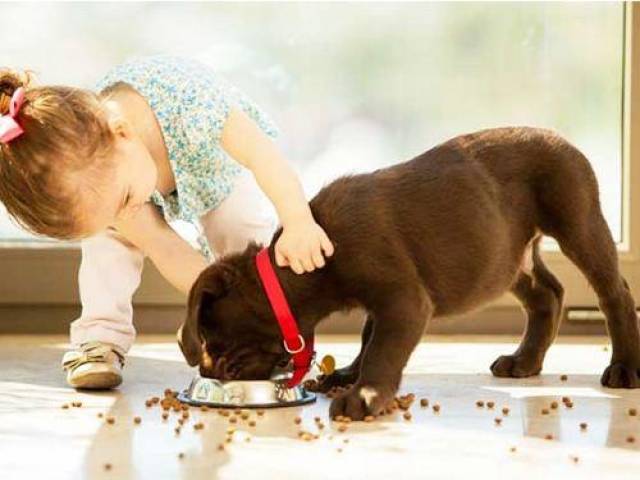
(245, 393)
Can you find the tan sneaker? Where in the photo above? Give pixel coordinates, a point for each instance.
(95, 365)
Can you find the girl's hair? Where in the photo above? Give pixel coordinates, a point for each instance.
(42, 172)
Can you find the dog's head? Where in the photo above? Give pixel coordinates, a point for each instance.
(229, 331)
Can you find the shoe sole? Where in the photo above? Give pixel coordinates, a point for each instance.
(97, 381)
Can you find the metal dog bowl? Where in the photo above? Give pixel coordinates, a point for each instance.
(245, 393)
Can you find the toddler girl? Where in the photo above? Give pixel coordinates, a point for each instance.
(161, 138)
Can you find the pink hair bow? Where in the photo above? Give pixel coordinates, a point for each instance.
(9, 128)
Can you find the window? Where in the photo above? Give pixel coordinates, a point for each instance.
(357, 86)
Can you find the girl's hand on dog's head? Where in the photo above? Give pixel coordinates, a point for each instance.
(303, 247)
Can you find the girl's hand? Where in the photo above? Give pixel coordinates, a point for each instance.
(301, 246)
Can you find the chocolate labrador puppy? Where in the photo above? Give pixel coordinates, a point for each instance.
(441, 234)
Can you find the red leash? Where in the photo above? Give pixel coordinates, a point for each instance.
(302, 353)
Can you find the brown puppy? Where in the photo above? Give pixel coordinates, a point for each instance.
(441, 234)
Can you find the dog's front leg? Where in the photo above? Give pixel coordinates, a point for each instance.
(398, 326)
(347, 375)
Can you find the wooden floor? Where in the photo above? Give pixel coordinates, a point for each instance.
(39, 439)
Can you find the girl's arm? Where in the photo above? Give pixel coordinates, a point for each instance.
(176, 260)
(303, 241)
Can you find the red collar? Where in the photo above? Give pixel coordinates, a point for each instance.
(293, 342)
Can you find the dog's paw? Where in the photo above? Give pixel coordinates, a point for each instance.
(515, 366)
(361, 401)
(621, 375)
(339, 378)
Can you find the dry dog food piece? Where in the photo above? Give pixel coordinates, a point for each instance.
(307, 437)
(548, 436)
(100, 414)
(512, 449)
(221, 446)
(631, 439)
(107, 466)
(155, 400)
(633, 412)
(137, 420)
(176, 408)
(233, 420)
(316, 419)
(342, 428)
(505, 410)
(198, 426)
(177, 430)
(181, 421)
(574, 458)
(244, 416)
(184, 406)
(76, 404)
(565, 399)
(185, 415)
(479, 403)
(544, 411)
(148, 403)
(436, 407)
(165, 415)
(583, 426)
(204, 408)
(569, 404)
(260, 413)
(65, 406)
(554, 405)
(490, 404)
(424, 402)
(407, 415)
(168, 392)
(297, 420)
(563, 378)
(111, 420)
(320, 425)
(369, 418)
(252, 423)
(498, 421)
(181, 455)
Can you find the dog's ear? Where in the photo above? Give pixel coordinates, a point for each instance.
(214, 282)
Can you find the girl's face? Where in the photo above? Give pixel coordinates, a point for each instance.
(126, 188)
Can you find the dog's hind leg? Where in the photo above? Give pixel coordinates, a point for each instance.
(590, 246)
(541, 296)
(348, 375)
